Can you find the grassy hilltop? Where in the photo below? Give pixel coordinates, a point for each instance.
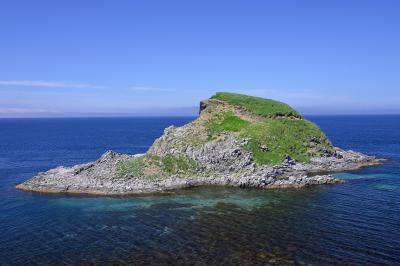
(268, 129)
(276, 125)
(259, 106)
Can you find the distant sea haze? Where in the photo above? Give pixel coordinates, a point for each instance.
(179, 111)
(150, 112)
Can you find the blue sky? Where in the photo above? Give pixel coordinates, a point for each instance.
(80, 58)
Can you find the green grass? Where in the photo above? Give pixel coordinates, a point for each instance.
(257, 105)
(132, 167)
(224, 122)
(174, 164)
(152, 166)
(283, 136)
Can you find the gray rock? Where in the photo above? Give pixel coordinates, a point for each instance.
(264, 148)
(244, 142)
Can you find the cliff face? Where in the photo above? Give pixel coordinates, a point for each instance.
(237, 140)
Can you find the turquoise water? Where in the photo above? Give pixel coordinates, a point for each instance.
(357, 222)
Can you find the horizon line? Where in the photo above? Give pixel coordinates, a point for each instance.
(162, 116)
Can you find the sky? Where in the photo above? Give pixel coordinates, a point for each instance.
(123, 58)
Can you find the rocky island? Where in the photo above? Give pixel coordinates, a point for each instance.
(237, 140)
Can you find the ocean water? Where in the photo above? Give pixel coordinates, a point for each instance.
(355, 223)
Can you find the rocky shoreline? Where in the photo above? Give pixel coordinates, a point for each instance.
(100, 177)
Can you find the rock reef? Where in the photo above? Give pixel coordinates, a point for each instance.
(237, 140)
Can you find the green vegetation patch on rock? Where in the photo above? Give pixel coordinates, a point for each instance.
(257, 105)
(133, 167)
(155, 167)
(224, 122)
(271, 140)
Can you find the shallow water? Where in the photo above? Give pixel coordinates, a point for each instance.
(357, 222)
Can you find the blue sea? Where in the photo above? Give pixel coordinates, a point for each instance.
(354, 223)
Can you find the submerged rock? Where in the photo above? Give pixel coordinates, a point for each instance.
(237, 140)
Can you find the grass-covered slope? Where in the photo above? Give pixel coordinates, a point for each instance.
(281, 132)
(272, 140)
(156, 167)
(260, 106)
(269, 129)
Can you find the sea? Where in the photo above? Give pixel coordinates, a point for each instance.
(353, 223)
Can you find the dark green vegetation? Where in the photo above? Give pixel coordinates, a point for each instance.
(153, 167)
(274, 137)
(257, 105)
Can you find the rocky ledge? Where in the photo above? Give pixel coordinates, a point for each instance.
(237, 140)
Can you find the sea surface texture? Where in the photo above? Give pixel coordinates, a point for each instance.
(356, 223)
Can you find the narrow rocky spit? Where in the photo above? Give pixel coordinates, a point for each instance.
(230, 144)
(100, 177)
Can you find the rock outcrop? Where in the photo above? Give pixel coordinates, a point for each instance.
(237, 140)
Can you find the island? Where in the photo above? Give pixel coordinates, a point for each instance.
(237, 140)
